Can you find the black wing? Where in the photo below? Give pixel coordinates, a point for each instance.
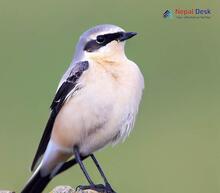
(58, 101)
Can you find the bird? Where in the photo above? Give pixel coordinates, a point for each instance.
(95, 105)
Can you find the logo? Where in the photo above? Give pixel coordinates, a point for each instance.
(196, 13)
(167, 14)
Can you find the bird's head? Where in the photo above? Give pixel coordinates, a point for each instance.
(102, 42)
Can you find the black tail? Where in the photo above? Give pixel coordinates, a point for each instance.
(36, 184)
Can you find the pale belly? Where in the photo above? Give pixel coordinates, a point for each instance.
(86, 120)
(98, 114)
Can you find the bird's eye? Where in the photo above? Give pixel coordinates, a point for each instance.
(100, 39)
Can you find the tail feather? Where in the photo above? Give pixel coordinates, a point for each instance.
(37, 183)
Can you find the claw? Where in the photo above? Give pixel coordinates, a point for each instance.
(97, 187)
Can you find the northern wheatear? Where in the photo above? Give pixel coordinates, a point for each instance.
(95, 105)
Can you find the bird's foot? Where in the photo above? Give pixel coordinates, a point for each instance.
(98, 187)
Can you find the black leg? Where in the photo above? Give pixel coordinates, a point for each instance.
(108, 186)
(69, 164)
(97, 187)
(78, 159)
(99, 168)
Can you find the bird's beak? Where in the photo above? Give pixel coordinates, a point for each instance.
(127, 35)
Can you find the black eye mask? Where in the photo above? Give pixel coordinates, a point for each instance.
(102, 40)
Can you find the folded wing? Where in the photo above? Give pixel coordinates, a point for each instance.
(61, 96)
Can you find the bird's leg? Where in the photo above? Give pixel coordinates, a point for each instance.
(97, 187)
(107, 185)
(79, 161)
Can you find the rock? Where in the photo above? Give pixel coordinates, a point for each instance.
(68, 189)
(63, 189)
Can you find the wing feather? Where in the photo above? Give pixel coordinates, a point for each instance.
(61, 95)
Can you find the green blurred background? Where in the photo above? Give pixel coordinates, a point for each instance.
(175, 145)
